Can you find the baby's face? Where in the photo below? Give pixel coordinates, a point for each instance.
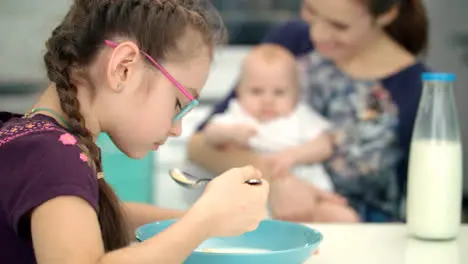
(268, 90)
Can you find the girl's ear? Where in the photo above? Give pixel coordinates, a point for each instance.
(123, 64)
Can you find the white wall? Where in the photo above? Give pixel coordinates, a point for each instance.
(224, 71)
(21, 50)
(25, 25)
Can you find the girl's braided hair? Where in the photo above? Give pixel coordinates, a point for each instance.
(156, 26)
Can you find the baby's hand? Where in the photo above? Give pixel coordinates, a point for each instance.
(280, 163)
(241, 133)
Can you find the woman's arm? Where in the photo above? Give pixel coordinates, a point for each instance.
(65, 230)
(139, 214)
(218, 134)
(217, 160)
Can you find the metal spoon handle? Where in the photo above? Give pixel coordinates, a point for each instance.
(254, 182)
(249, 182)
(205, 181)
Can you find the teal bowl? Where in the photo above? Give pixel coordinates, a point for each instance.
(273, 242)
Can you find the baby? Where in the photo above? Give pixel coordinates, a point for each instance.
(268, 117)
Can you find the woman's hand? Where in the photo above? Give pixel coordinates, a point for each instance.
(232, 206)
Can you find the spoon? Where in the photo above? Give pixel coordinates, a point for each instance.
(187, 180)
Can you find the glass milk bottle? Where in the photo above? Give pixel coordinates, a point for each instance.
(435, 165)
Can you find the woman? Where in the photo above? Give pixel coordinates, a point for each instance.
(362, 73)
(131, 69)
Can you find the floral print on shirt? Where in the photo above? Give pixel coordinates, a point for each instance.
(10, 132)
(18, 129)
(365, 120)
(69, 139)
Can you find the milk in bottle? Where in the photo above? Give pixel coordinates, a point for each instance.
(434, 191)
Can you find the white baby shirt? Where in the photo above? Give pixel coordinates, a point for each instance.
(299, 127)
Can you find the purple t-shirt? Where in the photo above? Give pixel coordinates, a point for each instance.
(39, 160)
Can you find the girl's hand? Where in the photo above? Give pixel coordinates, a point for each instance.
(231, 206)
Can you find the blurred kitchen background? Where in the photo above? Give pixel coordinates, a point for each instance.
(26, 24)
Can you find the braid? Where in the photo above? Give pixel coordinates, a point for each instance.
(156, 26)
(61, 54)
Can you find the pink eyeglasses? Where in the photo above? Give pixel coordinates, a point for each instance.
(193, 101)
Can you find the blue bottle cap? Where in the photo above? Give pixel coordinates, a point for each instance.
(438, 76)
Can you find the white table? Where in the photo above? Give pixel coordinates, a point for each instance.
(385, 244)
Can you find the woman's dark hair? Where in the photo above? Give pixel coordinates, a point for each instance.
(156, 26)
(410, 28)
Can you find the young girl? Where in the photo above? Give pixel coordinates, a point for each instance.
(132, 69)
